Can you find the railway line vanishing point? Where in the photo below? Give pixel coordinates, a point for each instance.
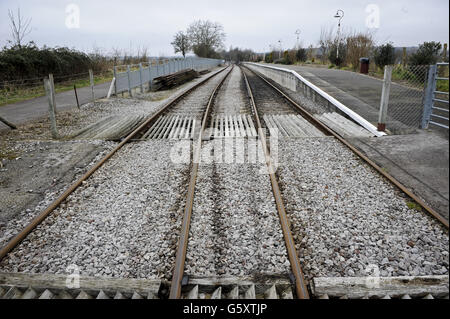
(231, 190)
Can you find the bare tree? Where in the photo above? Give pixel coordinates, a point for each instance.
(20, 27)
(206, 38)
(325, 42)
(359, 45)
(181, 43)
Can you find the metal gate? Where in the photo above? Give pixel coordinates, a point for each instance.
(436, 106)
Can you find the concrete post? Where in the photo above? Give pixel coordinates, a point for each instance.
(52, 86)
(51, 107)
(129, 81)
(150, 79)
(115, 82)
(91, 78)
(140, 78)
(428, 98)
(385, 98)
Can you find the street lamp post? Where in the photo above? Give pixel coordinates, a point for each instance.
(298, 38)
(279, 54)
(339, 15)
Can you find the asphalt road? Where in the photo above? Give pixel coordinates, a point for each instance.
(22, 112)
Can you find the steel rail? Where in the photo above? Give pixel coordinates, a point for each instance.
(178, 272)
(325, 128)
(300, 285)
(137, 132)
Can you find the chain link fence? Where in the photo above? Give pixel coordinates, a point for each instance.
(405, 108)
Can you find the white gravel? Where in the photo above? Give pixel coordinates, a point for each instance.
(349, 221)
(124, 222)
(235, 229)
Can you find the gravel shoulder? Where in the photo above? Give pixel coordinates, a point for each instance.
(349, 221)
(35, 172)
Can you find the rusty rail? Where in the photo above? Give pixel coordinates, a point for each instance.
(136, 133)
(300, 285)
(178, 272)
(329, 131)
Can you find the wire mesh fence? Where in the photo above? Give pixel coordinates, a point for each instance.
(25, 89)
(140, 75)
(405, 109)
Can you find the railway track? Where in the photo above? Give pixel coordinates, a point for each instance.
(136, 135)
(223, 213)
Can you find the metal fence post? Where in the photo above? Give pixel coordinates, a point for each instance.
(385, 98)
(140, 78)
(91, 78)
(428, 98)
(129, 80)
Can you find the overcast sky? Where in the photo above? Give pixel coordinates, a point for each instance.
(127, 24)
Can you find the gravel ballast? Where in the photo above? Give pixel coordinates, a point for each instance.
(232, 98)
(123, 222)
(235, 230)
(349, 221)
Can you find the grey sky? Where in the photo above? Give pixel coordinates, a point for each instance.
(248, 24)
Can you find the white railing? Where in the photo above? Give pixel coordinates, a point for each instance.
(293, 81)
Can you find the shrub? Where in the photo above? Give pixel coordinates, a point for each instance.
(428, 53)
(31, 62)
(301, 55)
(384, 55)
(333, 57)
(359, 45)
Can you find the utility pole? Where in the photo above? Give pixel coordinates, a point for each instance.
(339, 15)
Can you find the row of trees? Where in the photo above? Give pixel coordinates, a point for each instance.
(353, 46)
(203, 37)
